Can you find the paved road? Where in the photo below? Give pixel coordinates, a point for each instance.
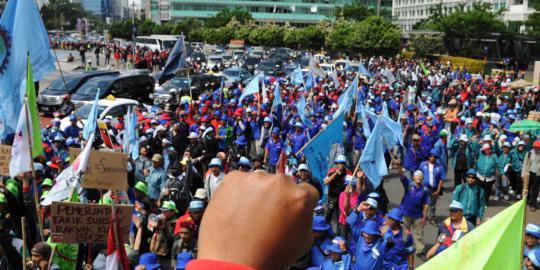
(392, 184)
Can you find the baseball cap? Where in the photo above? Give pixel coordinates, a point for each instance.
(168, 205)
(196, 206)
(141, 186)
(456, 205)
(200, 193)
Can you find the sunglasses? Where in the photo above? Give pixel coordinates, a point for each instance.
(471, 177)
(415, 140)
(453, 210)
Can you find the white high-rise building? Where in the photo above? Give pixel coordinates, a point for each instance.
(407, 13)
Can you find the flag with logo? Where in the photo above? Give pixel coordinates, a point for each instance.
(496, 244)
(21, 161)
(251, 88)
(22, 33)
(71, 176)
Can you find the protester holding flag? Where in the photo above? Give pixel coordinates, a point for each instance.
(335, 179)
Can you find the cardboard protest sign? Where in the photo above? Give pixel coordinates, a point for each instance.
(86, 223)
(5, 157)
(105, 170)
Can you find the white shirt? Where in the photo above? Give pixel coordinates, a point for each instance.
(212, 183)
(430, 169)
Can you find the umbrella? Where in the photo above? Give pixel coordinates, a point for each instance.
(519, 84)
(525, 125)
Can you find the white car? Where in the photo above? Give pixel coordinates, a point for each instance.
(112, 107)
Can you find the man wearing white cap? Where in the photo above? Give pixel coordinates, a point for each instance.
(335, 179)
(463, 158)
(214, 178)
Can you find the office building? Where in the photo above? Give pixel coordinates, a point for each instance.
(406, 13)
(294, 12)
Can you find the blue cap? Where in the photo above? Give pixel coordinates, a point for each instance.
(319, 224)
(533, 229)
(241, 140)
(196, 206)
(334, 248)
(215, 162)
(395, 214)
(456, 205)
(72, 118)
(275, 130)
(372, 202)
(340, 159)
(224, 117)
(471, 171)
(70, 141)
(217, 113)
(182, 259)
(371, 227)
(434, 153)
(267, 119)
(350, 180)
(298, 125)
(149, 260)
(244, 162)
(374, 195)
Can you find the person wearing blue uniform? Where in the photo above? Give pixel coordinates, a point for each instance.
(413, 155)
(298, 138)
(273, 150)
(321, 234)
(339, 258)
(72, 131)
(365, 211)
(532, 238)
(401, 255)
(371, 248)
(433, 180)
(414, 206)
(441, 149)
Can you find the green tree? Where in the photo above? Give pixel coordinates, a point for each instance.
(469, 26)
(121, 29)
(353, 11)
(144, 28)
(378, 37)
(58, 14)
(343, 36)
(223, 17)
(425, 45)
(186, 26)
(533, 22)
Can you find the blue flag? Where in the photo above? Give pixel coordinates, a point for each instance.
(372, 160)
(277, 97)
(22, 33)
(296, 76)
(90, 125)
(321, 151)
(176, 60)
(365, 122)
(362, 69)
(301, 107)
(131, 143)
(346, 99)
(310, 81)
(251, 88)
(391, 132)
(423, 108)
(384, 110)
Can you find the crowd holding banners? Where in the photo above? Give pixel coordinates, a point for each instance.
(341, 133)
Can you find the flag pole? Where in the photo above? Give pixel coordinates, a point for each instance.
(523, 228)
(23, 225)
(36, 199)
(316, 135)
(115, 228)
(187, 67)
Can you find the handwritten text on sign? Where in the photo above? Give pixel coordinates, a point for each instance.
(105, 170)
(5, 157)
(86, 223)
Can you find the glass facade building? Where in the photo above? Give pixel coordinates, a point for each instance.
(278, 11)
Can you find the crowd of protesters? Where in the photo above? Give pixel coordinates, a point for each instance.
(187, 147)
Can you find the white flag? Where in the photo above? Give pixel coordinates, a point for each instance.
(335, 78)
(69, 178)
(21, 161)
(314, 66)
(264, 93)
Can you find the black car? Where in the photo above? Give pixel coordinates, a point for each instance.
(129, 85)
(251, 62)
(270, 68)
(198, 83)
(50, 98)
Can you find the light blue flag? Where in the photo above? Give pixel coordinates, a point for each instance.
(372, 116)
(391, 132)
(384, 110)
(296, 76)
(301, 107)
(321, 151)
(346, 99)
(277, 97)
(365, 122)
(372, 160)
(401, 111)
(90, 126)
(251, 88)
(362, 69)
(310, 81)
(21, 32)
(423, 108)
(133, 140)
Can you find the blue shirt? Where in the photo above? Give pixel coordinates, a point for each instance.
(274, 150)
(317, 252)
(344, 264)
(412, 204)
(72, 131)
(356, 221)
(438, 174)
(412, 157)
(370, 257)
(255, 130)
(155, 181)
(298, 140)
(440, 147)
(397, 257)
